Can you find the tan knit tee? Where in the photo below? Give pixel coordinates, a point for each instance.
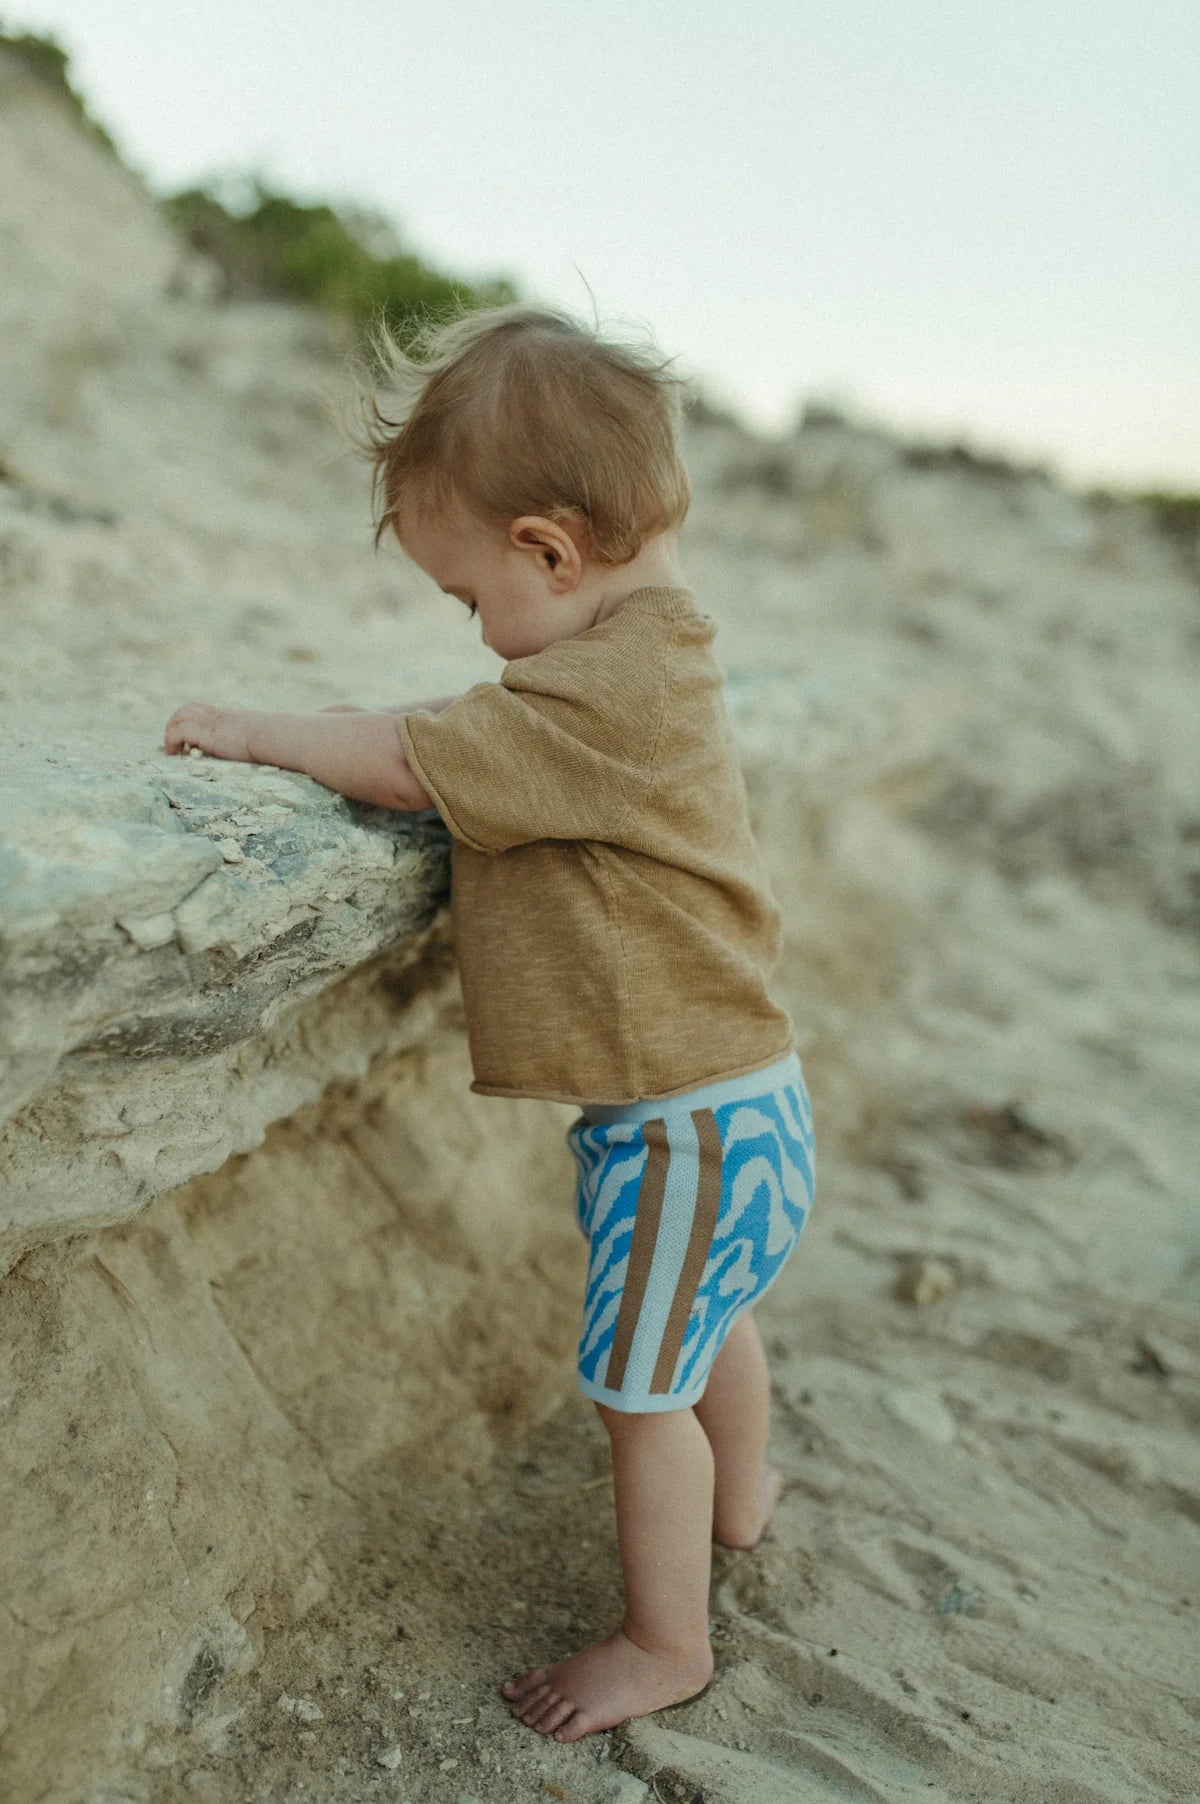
(612, 915)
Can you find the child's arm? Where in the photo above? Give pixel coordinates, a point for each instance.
(434, 707)
(362, 758)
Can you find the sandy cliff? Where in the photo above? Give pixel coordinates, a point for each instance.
(294, 1469)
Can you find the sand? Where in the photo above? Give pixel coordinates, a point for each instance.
(969, 709)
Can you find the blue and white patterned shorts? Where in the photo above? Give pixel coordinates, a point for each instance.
(690, 1205)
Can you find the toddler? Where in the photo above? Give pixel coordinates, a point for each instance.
(613, 921)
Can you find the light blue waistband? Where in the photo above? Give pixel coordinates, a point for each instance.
(705, 1096)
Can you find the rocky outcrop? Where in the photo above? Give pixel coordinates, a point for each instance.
(176, 963)
(277, 1293)
(260, 1247)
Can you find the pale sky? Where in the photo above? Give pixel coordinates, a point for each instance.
(954, 218)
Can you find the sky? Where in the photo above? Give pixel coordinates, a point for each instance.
(951, 219)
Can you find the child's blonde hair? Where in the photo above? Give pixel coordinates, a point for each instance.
(522, 409)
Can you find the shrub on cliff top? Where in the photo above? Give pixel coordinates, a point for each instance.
(45, 59)
(348, 261)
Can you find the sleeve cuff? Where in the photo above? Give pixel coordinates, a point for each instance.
(432, 789)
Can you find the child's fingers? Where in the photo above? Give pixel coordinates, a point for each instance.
(188, 726)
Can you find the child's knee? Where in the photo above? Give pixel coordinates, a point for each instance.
(630, 1421)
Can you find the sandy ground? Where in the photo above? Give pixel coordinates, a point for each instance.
(980, 1582)
(969, 708)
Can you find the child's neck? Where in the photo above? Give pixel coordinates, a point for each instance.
(655, 566)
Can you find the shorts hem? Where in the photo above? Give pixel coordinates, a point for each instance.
(635, 1405)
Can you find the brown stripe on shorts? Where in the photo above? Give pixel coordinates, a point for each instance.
(641, 1250)
(704, 1224)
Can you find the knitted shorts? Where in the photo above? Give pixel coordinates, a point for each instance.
(690, 1205)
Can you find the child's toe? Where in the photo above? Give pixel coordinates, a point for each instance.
(543, 1708)
(526, 1681)
(533, 1703)
(555, 1718)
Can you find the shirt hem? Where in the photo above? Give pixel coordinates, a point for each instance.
(484, 1089)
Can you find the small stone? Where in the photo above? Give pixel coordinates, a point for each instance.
(628, 1790)
(920, 1410)
(447, 1766)
(148, 931)
(390, 1757)
(961, 1599)
(304, 1708)
(922, 1281)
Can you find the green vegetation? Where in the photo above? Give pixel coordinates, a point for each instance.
(350, 261)
(955, 455)
(816, 413)
(1176, 515)
(46, 60)
(346, 261)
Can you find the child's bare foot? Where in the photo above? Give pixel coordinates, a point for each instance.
(604, 1684)
(769, 1486)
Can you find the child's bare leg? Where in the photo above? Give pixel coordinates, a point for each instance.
(734, 1413)
(661, 1654)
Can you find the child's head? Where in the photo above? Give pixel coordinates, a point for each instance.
(530, 465)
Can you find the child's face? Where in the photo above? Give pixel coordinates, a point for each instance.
(528, 585)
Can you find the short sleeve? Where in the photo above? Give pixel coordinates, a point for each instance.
(506, 765)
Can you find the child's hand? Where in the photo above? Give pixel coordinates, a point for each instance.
(221, 732)
(361, 759)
